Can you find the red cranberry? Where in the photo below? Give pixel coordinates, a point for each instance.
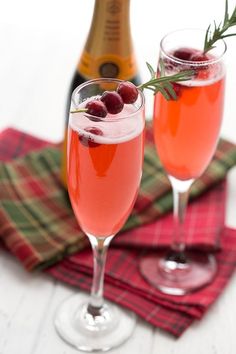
(88, 141)
(199, 57)
(183, 53)
(202, 71)
(128, 92)
(112, 101)
(96, 108)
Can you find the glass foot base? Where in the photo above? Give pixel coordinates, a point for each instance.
(88, 333)
(177, 277)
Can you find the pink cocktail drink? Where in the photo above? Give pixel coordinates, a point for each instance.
(186, 130)
(104, 167)
(104, 170)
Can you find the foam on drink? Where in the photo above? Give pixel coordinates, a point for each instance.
(116, 129)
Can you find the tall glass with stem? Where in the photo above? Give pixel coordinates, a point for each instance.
(186, 132)
(105, 157)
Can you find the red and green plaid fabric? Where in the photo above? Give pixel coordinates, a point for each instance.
(125, 285)
(37, 223)
(38, 227)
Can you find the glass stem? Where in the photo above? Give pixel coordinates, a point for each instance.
(99, 246)
(180, 200)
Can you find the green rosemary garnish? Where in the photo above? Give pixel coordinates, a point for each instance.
(220, 30)
(163, 84)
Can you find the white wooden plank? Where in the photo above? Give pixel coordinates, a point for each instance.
(48, 341)
(24, 298)
(230, 219)
(141, 341)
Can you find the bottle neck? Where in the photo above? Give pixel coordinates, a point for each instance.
(108, 51)
(110, 28)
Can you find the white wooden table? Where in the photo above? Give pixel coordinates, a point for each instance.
(40, 42)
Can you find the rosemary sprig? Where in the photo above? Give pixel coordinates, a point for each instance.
(164, 84)
(219, 31)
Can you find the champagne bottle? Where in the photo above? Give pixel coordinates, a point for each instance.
(108, 52)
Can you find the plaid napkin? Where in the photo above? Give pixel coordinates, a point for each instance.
(125, 285)
(38, 227)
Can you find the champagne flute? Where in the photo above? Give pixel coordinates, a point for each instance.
(104, 168)
(186, 132)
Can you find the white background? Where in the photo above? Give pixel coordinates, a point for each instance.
(40, 42)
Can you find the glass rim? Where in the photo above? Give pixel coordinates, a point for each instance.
(193, 63)
(107, 119)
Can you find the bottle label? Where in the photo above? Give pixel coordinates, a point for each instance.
(109, 65)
